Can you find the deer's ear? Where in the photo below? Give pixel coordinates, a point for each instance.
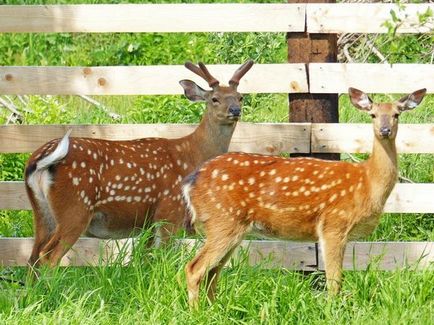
(411, 101)
(193, 91)
(359, 99)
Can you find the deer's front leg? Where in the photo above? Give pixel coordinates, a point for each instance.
(333, 247)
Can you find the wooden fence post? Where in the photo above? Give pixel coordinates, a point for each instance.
(315, 108)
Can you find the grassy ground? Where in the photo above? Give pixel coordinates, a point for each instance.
(151, 289)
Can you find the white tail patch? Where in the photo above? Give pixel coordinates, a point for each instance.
(40, 180)
(186, 194)
(58, 154)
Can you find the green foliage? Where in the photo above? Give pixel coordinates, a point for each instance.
(12, 166)
(403, 48)
(16, 224)
(166, 109)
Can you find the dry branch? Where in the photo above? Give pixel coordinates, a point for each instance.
(100, 106)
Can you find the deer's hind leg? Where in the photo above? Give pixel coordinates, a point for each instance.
(213, 275)
(210, 259)
(72, 221)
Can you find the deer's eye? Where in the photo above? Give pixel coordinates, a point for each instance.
(215, 100)
(373, 115)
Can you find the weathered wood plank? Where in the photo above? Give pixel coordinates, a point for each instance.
(144, 80)
(270, 254)
(13, 196)
(366, 18)
(320, 18)
(266, 138)
(307, 107)
(405, 198)
(357, 138)
(371, 78)
(411, 198)
(262, 78)
(387, 255)
(87, 251)
(153, 18)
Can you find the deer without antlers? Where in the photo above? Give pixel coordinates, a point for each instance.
(109, 189)
(298, 198)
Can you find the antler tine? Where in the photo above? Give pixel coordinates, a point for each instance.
(212, 82)
(241, 71)
(202, 72)
(193, 68)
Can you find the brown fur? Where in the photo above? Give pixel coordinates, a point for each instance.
(299, 199)
(110, 189)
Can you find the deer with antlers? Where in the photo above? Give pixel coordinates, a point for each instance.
(295, 198)
(110, 189)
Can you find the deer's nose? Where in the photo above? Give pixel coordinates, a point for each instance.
(234, 110)
(385, 131)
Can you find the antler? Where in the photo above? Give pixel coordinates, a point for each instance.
(203, 72)
(241, 71)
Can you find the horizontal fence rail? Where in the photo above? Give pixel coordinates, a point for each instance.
(370, 77)
(316, 18)
(358, 138)
(145, 80)
(368, 18)
(153, 18)
(265, 138)
(405, 198)
(262, 78)
(270, 254)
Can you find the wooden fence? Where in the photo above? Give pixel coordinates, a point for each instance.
(263, 78)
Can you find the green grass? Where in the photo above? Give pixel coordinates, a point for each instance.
(151, 289)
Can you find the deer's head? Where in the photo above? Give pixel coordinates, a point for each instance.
(385, 115)
(223, 102)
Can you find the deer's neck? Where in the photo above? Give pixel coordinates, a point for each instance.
(382, 168)
(209, 140)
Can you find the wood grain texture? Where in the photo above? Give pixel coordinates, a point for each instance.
(405, 198)
(144, 80)
(262, 78)
(266, 138)
(307, 107)
(153, 18)
(267, 253)
(320, 18)
(371, 78)
(366, 18)
(358, 138)
(86, 252)
(411, 198)
(387, 255)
